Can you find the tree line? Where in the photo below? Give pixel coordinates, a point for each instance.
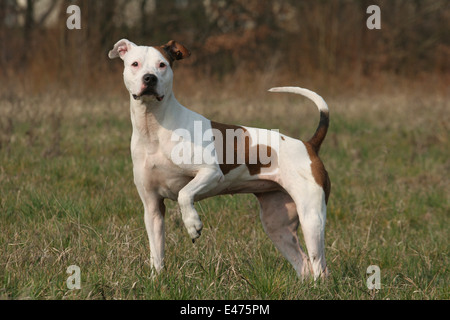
(328, 36)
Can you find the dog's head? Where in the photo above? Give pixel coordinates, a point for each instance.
(148, 70)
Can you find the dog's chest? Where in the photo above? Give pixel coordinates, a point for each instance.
(153, 170)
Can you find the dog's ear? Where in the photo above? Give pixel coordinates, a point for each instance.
(176, 51)
(121, 48)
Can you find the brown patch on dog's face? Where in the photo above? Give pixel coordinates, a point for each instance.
(318, 171)
(165, 55)
(172, 51)
(240, 143)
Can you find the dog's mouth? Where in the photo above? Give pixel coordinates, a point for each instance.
(149, 93)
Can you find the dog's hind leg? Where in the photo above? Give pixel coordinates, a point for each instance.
(311, 207)
(313, 228)
(280, 221)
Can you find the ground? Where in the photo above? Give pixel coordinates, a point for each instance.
(67, 198)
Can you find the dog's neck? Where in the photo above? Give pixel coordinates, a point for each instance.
(148, 115)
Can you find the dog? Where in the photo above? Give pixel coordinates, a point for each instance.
(292, 187)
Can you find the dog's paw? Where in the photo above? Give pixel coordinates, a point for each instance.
(194, 228)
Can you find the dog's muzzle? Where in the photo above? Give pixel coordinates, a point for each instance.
(150, 82)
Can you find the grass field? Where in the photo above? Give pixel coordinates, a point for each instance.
(67, 198)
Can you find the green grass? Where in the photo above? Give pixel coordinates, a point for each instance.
(67, 198)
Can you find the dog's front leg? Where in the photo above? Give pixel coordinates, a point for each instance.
(154, 223)
(205, 180)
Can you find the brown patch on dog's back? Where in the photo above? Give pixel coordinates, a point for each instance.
(318, 170)
(257, 167)
(240, 142)
(221, 152)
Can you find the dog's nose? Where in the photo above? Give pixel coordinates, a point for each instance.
(150, 79)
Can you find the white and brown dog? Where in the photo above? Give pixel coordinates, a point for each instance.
(292, 187)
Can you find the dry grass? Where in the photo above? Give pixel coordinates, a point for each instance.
(67, 197)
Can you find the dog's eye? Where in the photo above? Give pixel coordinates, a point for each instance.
(162, 65)
(135, 64)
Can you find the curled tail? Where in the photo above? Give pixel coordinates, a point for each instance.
(324, 122)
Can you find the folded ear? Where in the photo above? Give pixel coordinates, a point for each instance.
(121, 48)
(176, 51)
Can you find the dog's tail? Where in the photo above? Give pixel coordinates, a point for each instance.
(322, 129)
